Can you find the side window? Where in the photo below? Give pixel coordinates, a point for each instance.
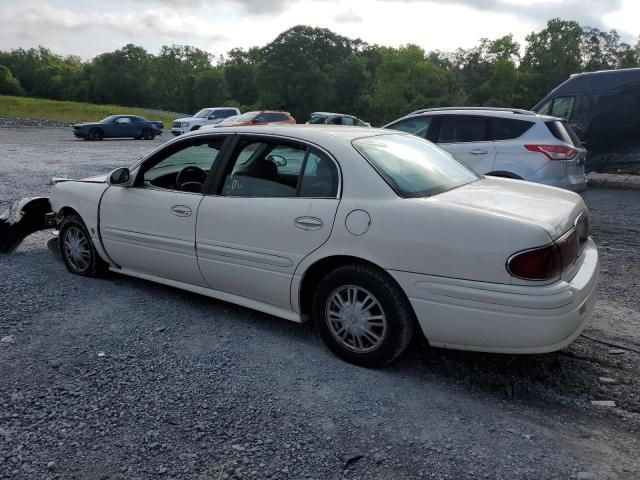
(123, 121)
(264, 169)
(416, 125)
(462, 128)
(348, 121)
(507, 129)
(183, 167)
(545, 109)
(320, 179)
(562, 107)
(337, 120)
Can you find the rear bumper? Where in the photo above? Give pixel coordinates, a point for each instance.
(575, 184)
(467, 315)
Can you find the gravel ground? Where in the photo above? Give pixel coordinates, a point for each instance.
(119, 378)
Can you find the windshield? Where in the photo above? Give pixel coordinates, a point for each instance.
(412, 166)
(317, 119)
(246, 117)
(109, 119)
(204, 113)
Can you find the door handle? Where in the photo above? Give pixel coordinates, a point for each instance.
(477, 151)
(181, 210)
(308, 223)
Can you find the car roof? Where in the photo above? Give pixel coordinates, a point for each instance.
(311, 133)
(330, 114)
(515, 114)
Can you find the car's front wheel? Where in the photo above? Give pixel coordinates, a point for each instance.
(78, 253)
(96, 134)
(363, 316)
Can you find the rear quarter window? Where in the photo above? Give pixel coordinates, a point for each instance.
(562, 131)
(507, 128)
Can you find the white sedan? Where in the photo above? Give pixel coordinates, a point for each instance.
(372, 234)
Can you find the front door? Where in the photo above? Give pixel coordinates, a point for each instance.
(150, 227)
(466, 137)
(276, 205)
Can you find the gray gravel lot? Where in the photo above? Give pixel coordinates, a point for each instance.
(119, 378)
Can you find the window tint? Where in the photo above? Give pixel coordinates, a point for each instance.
(416, 125)
(462, 128)
(202, 155)
(317, 120)
(335, 121)
(320, 179)
(545, 109)
(412, 166)
(264, 169)
(562, 107)
(563, 132)
(123, 120)
(271, 117)
(348, 121)
(507, 128)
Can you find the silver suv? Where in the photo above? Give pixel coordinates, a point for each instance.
(503, 142)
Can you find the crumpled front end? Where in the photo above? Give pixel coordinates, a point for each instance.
(23, 218)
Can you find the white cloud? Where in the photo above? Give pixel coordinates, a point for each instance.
(347, 17)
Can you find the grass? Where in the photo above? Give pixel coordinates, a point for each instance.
(38, 108)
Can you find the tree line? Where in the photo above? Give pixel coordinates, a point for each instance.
(307, 69)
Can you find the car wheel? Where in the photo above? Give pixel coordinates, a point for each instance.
(79, 254)
(197, 127)
(148, 134)
(363, 316)
(96, 134)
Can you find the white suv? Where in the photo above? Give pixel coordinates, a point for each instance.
(206, 116)
(503, 142)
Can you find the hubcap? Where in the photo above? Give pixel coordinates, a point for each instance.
(356, 319)
(76, 248)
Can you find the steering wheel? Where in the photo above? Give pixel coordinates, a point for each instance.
(188, 175)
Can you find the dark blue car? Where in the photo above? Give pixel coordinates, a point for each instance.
(118, 126)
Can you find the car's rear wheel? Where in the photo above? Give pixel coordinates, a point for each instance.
(96, 134)
(79, 254)
(363, 316)
(148, 134)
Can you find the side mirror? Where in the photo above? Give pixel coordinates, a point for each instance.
(120, 176)
(279, 160)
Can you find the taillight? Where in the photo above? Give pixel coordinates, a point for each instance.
(541, 263)
(545, 263)
(554, 152)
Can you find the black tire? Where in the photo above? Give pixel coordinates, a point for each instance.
(148, 134)
(197, 127)
(391, 303)
(96, 134)
(73, 239)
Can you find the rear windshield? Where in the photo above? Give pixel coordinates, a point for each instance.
(562, 131)
(412, 166)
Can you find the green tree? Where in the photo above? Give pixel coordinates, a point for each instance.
(550, 57)
(210, 88)
(122, 77)
(9, 85)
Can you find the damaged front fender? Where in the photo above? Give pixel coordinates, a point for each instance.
(21, 219)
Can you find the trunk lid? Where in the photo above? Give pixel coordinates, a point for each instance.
(553, 209)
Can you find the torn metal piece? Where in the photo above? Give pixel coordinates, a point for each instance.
(21, 219)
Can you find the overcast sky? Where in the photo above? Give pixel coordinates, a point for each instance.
(90, 27)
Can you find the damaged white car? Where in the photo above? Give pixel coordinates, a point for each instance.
(372, 234)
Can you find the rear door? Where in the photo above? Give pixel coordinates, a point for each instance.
(276, 204)
(467, 138)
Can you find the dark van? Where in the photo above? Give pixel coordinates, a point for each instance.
(604, 110)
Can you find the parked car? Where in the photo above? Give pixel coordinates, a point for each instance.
(206, 116)
(604, 110)
(328, 118)
(507, 143)
(118, 126)
(260, 117)
(374, 234)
